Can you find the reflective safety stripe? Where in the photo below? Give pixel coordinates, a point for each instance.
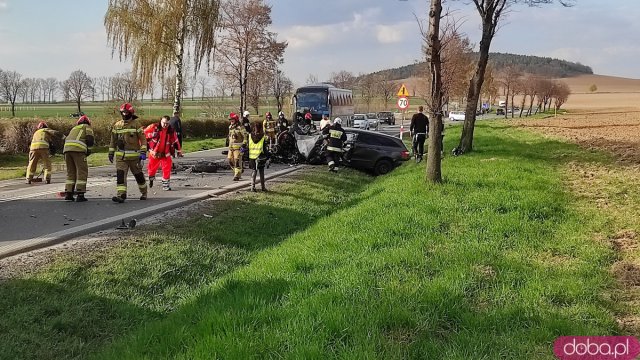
(128, 154)
(70, 182)
(126, 131)
(335, 134)
(76, 143)
(121, 188)
(143, 186)
(255, 149)
(81, 182)
(39, 140)
(331, 148)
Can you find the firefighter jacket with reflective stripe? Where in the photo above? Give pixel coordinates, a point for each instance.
(237, 137)
(80, 139)
(257, 149)
(42, 138)
(335, 136)
(162, 141)
(269, 126)
(127, 140)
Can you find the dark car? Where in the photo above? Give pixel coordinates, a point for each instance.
(76, 115)
(387, 117)
(378, 152)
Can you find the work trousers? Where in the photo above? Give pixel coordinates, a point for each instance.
(258, 168)
(122, 170)
(34, 157)
(418, 144)
(77, 171)
(235, 161)
(165, 162)
(333, 158)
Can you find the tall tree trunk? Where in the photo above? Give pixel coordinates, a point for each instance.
(434, 160)
(13, 109)
(78, 103)
(177, 96)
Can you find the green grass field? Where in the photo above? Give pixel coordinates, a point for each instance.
(496, 262)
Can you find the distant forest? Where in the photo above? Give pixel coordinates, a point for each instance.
(535, 65)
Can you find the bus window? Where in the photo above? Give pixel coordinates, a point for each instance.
(317, 101)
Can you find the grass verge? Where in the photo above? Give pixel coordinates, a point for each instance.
(496, 262)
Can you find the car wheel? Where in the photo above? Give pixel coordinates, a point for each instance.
(383, 166)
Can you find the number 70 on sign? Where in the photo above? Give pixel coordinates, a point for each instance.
(403, 103)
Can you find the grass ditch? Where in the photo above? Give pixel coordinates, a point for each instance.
(496, 262)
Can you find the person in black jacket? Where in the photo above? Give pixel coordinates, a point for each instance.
(419, 129)
(336, 137)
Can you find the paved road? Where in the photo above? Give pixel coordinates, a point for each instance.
(33, 215)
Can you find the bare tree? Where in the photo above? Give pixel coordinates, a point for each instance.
(433, 52)
(342, 79)
(156, 34)
(51, 85)
(10, 85)
(257, 86)
(124, 87)
(80, 87)
(282, 87)
(491, 12)
(245, 42)
(25, 89)
(387, 89)
(368, 88)
(561, 92)
(311, 79)
(203, 81)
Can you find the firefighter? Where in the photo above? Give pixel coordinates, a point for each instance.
(336, 137)
(269, 128)
(282, 123)
(129, 148)
(237, 145)
(77, 146)
(163, 144)
(39, 150)
(246, 122)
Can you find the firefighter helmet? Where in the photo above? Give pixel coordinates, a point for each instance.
(126, 107)
(246, 113)
(83, 120)
(337, 121)
(268, 115)
(233, 117)
(281, 114)
(42, 125)
(307, 116)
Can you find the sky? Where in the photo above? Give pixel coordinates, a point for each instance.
(47, 38)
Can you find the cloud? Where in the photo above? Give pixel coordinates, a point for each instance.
(396, 33)
(4, 5)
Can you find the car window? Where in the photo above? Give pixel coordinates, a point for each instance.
(371, 116)
(377, 140)
(358, 117)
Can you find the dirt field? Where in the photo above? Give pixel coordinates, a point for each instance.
(617, 132)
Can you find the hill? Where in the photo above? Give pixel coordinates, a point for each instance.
(537, 65)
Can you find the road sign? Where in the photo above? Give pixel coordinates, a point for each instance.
(403, 103)
(403, 91)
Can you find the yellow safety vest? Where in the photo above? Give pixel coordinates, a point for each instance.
(255, 149)
(76, 141)
(127, 140)
(39, 140)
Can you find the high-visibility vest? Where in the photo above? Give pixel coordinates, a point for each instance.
(77, 139)
(127, 140)
(255, 149)
(39, 140)
(335, 138)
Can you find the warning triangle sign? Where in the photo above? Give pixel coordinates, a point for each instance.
(403, 91)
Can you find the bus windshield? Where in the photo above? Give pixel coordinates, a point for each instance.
(315, 101)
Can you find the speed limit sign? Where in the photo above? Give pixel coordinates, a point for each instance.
(403, 103)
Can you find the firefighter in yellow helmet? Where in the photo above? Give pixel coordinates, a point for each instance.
(77, 146)
(39, 150)
(129, 148)
(237, 145)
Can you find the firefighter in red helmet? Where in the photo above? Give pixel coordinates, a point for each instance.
(39, 150)
(129, 148)
(269, 128)
(77, 146)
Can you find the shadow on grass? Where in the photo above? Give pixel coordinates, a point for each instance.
(158, 269)
(72, 321)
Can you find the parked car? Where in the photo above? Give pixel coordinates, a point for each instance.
(76, 115)
(360, 121)
(456, 116)
(373, 120)
(500, 111)
(374, 151)
(387, 117)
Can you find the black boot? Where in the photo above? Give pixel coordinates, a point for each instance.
(119, 199)
(81, 198)
(151, 178)
(143, 197)
(68, 196)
